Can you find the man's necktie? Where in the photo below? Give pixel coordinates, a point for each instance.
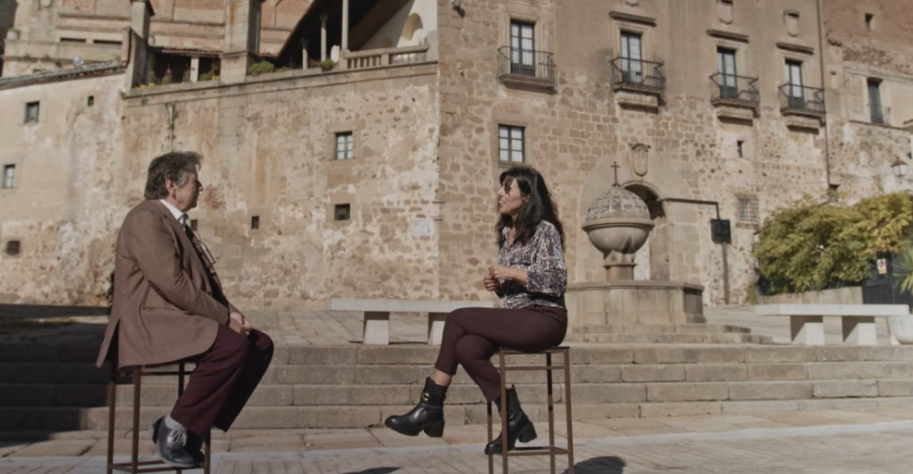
(208, 260)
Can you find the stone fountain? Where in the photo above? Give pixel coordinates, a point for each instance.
(618, 223)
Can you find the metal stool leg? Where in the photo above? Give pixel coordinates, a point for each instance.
(137, 389)
(567, 404)
(112, 402)
(503, 409)
(491, 457)
(180, 392)
(208, 452)
(551, 413)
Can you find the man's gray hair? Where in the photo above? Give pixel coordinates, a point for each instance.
(175, 166)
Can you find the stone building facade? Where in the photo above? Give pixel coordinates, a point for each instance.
(679, 101)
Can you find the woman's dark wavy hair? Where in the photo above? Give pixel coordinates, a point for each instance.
(539, 207)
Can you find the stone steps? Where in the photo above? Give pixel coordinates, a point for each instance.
(357, 386)
(659, 328)
(672, 338)
(352, 416)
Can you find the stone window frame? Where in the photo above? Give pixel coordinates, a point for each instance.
(27, 108)
(355, 127)
(340, 199)
(742, 62)
(529, 133)
(754, 206)
(646, 32)
(808, 68)
(883, 94)
(524, 15)
(3, 177)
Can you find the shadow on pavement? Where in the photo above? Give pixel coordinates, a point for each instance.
(600, 465)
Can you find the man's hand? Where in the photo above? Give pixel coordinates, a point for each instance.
(246, 324)
(491, 284)
(236, 323)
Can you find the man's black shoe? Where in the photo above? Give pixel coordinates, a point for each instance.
(194, 444)
(170, 445)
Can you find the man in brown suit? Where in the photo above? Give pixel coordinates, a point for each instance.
(169, 306)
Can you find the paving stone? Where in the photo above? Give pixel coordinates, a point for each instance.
(844, 388)
(56, 448)
(777, 371)
(653, 373)
(716, 372)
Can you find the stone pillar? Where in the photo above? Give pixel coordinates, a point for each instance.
(141, 14)
(242, 35)
(195, 69)
(345, 26)
(305, 60)
(137, 43)
(323, 38)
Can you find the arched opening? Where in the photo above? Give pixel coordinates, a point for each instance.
(652, 260)
(413, 31)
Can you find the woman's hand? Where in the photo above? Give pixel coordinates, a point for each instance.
(491, 284)
(500, 272)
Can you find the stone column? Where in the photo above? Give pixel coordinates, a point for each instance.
(194, 69)
(345, 26)
(137, 42)
(305, 60)
(323, 38)
(242, 34)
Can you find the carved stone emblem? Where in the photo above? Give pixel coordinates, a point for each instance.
(724, 8)
(792, 23)
(632, 3)
(639, 158)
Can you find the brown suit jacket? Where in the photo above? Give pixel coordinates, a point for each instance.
(165, 308)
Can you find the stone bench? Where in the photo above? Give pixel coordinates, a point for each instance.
(377, 314)
(806, 321)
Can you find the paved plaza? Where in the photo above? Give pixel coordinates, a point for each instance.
(871, 440)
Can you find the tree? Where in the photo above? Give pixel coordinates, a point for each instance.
(809, 246)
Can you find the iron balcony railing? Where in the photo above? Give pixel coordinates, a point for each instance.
(880, 114)
(799, 98)
(637, 74)
(527, 62)
(734, 89)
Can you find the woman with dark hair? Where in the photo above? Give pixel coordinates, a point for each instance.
(530, 277)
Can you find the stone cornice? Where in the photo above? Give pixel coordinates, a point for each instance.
(728, 35)
(796, 48)
(631, 18)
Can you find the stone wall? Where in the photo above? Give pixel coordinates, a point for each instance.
(67, 200)
(268, 147)
(578, 131)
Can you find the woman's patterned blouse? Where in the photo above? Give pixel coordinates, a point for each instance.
(543, 260)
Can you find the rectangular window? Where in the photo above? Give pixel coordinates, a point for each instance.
(255, 222)
(748, 210)
(342, 212)
(875, 108)
(91, 101)
(794, 88)
(741, 146)
(632, 67)
(345, 146)
(869, 21)
(108, 42)
(13, 247)
(522, 48)
(725, 60)
(511, 147)
(9, 176)
(31, 112)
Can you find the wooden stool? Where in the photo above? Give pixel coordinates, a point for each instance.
(551, 450)
(135, 466)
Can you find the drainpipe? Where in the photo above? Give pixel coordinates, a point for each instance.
(827, 140)
(724, 245)
(170, 108)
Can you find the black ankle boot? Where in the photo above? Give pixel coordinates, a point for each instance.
(427, 416)
(518, 425)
